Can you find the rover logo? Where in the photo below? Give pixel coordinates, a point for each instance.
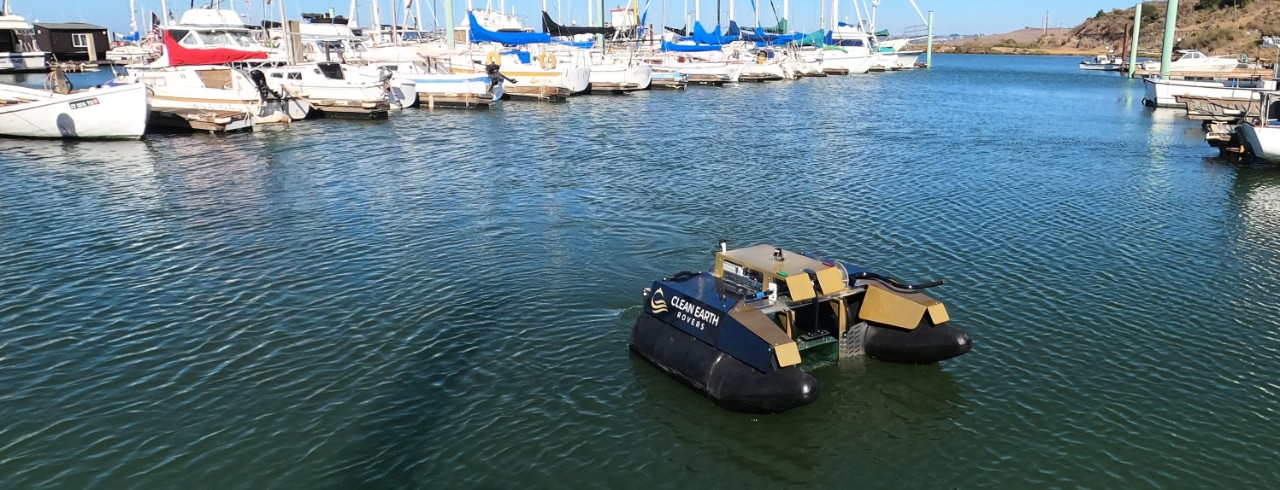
(656, 302)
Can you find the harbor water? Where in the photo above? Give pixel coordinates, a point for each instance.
(442, 299)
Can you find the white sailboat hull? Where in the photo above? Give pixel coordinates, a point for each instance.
(620, 77)
(833, 61)
(115, 112)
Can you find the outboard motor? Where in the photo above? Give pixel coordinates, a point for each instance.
(260, 81)
(491, 69)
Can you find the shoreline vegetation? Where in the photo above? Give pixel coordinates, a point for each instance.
(1215, 27)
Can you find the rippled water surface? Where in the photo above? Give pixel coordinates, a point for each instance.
(443, 299)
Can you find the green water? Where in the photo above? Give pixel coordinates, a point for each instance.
(442, 299)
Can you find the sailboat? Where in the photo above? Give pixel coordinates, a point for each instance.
(611, 72)
(538, 71)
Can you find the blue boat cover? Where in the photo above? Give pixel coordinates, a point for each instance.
(479, 34)
(762, 38)
(584, 45)
(701, 36)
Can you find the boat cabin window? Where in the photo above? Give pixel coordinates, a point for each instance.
(7, 42)
(1273, 111)
(246, 40)
(850, 42)
(331, 71)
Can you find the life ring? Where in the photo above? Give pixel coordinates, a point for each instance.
(493, 58)
(761, 57)
(548, 61)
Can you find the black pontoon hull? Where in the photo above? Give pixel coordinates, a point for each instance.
(729, 382)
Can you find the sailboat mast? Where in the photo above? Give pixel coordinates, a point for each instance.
(875, 7)
(858, 12)
(377, 22)
(284, 28)
(395, 40)
(917, 7)
(786, 12)
(4, 8)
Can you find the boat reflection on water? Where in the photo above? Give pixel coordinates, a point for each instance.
(130, 155)
(865, 402)
(1257, 191)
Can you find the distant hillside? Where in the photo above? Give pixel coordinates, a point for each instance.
(1213, 26)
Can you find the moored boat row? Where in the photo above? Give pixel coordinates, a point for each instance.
(215, 73)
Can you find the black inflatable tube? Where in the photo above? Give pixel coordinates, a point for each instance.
(897, 284)
(925, 345)
(730, 383)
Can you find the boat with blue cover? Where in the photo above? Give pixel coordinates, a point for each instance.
(740, 332)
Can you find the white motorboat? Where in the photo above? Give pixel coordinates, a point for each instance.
(192, 77)
(1161, 92)
(111, 112)
(1190, 60)
(18, 50)
(434, 86)
(331, 88)
(1261, 133)
(1103, 62)
(216, 89)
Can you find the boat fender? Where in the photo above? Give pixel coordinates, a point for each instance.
(493, 58)
(547, 61)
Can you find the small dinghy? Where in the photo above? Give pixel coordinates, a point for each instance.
(740, 332)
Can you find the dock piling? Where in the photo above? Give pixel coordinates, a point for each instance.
(1133, 46)
(928, 50)
(1170, 25)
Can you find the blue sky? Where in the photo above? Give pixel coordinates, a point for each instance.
(951, 16)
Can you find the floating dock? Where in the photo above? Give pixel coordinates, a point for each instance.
(200, 120)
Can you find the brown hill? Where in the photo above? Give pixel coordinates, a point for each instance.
(1202, 25)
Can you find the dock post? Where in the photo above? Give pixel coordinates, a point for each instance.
(1133, 46)
(928, 50)
(448, 22)
(1170, 24)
